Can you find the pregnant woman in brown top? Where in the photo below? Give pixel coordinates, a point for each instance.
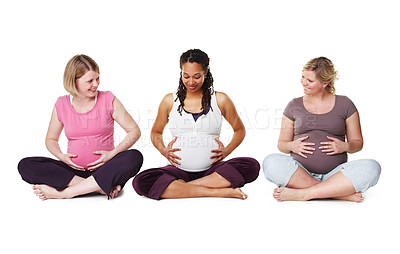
(318, 130)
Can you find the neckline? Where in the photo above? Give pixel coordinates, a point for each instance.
(197, 116)
(201, 112)
(72, 107)
(213, 104)
(334, 106)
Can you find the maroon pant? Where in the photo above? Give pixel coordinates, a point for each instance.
(238, 171)
(117, 171)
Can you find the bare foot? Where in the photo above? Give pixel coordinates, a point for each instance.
(46, 192)
(115, 191)
(356, 197)
(238, 193)
(288, 194)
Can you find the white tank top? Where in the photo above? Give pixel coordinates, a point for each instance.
(196, 139)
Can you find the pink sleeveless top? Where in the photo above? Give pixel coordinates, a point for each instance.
(88, 132)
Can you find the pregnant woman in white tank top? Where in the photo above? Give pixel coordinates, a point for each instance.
(196, 139)
(194, 115)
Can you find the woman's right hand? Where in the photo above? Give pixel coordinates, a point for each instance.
(301, 148)
(168, 153)
(67, 159)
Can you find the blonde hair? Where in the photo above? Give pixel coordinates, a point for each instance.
(76, 68)
(324, 71)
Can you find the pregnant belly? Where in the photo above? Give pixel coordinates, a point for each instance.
(195, 152)
(319, 162)
(84, 158)
(84, 151)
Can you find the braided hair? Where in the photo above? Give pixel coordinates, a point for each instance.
(196, 56)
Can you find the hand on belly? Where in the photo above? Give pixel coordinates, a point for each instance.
(220, 153)
(104, 157)
(335, 146)
(83, 159)
(300, 147)
(196, 152)
(323, 159)
(169, 153)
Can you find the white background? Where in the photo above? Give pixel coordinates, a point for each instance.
(257, 50)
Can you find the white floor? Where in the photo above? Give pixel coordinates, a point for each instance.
(131, 223)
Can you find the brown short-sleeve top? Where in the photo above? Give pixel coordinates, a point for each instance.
(318, 127)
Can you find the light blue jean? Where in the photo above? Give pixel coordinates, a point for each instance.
(363, 174)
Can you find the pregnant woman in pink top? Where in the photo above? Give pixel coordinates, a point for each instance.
(318, 130)
(92, 163)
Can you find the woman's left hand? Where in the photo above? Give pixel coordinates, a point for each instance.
(335, 146)
(220, 153)
(104, 157)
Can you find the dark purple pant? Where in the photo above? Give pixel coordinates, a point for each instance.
(117, 171)
(238, 171)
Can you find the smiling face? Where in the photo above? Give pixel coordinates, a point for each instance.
(311, 84)
(87, 85)
(192, 76)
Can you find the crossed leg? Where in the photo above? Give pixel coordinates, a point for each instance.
(302, 186)
(77, 186)
(213, 185)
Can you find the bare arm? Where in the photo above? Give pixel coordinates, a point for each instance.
(158, 128)
(286, 144)
(228, 110)
(286, 135)
(52, 137)
(160, 123)
(125, 120)
(355, 139)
